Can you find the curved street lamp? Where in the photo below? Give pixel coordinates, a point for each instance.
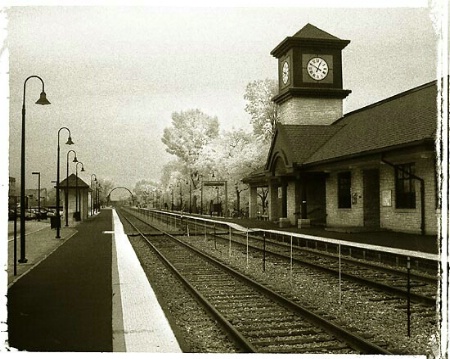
(76, 186)
(67, 184)
(58, 215)
(92, 194)
(42, 101)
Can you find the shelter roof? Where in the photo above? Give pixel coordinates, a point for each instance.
(73, 182)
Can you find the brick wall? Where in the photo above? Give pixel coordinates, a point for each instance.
(310, 111)
(392, 218)
(409, 220)
(344, 217)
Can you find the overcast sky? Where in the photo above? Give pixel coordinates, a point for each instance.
(114, 75)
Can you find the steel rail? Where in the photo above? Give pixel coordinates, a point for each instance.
(377, 285)
(229, 328)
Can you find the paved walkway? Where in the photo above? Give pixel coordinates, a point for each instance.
(64, 303)
(85, 292)
(40, 242)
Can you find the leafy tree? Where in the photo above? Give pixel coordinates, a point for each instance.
(144, 190)
(262, 109)
(105, 187)
(231, 157)
(190, 131)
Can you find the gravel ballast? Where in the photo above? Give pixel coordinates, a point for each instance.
(355, 307)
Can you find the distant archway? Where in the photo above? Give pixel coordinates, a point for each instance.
(108, 197)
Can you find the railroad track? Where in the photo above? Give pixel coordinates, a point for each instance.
(423, 288)
(256, 317)
(393, 281)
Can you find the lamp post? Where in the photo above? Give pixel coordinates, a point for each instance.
(58, 215)
(201, 194)
(67, 184)
(76, 187)
(98, 196)
(39, 194)
(190, 196)
(181, 194)
(42, 101)
(92, 194)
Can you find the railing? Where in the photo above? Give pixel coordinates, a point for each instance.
(178, 220)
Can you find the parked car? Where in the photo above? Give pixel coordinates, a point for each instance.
(40, 214)
(29, 215)
(52, 213)
(12, 215)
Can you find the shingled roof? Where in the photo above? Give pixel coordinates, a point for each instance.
(304, 141)
(401, 120)
(73, 182)
(308, 36)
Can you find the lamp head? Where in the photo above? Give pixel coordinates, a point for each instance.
(75, 159)
(69, 141)
(82, 168)
(43, 99)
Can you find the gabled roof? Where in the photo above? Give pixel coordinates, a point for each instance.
(405, 119)
(73, 182)
(298, 143)
(305, 140)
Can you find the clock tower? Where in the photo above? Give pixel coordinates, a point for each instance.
(310, 77)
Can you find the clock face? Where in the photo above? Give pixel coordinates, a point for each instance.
(285, 72)
(317, 68)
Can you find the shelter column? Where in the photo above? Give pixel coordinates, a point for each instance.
(284, 199)
(303, 205)
(253, 205)
(273, 201)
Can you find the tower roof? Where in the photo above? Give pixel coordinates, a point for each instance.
(311, 32)
(309, 36)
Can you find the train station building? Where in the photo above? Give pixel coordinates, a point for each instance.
(373, 168)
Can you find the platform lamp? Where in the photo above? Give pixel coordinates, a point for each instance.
(58, 215)
(67, 184)
(42, 101)
(92, 194)
(76, 185)
(39, 194)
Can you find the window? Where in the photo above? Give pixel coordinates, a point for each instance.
(405, 192)
(344, 190)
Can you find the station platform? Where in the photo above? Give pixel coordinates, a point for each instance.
(385, 238)
(85, 292)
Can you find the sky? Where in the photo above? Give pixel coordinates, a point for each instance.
(114, 74)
